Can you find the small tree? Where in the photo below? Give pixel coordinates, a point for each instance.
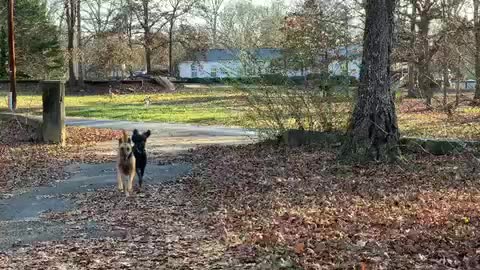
(373, 129)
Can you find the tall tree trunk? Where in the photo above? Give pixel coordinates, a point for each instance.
(81, 82)
(214, 30)
(445, 86)
(170, 47)
(476, 19)
(373, 129)
(457, 91)
(147, 36)
(148, 50)
(412, 92)
(71, 18)
(426, 82)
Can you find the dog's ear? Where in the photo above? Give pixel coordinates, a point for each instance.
(147, 134)
(135, 132)
(120, 141)
(129, 140)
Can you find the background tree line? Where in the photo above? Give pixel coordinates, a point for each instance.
(438, 39)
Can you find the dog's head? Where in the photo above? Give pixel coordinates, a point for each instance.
(125, 146)
(140, 140)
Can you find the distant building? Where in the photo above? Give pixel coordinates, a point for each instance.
(235, 63)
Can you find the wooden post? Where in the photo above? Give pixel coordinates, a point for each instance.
(53, 127)
(11, 50)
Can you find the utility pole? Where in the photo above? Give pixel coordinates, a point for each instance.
(11, 51)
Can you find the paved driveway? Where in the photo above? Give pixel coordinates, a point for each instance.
(173, 137)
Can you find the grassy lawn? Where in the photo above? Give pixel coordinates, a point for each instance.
(205, 107)
(228, 107)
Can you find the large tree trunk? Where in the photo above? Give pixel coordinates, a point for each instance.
(412, 92)
(81, 82)
(373, 131)
(476, 18)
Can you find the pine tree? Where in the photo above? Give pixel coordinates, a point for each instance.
(38, 50)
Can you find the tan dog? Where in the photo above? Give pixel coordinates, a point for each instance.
(125, 164)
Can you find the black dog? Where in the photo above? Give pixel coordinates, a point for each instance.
(139, 141)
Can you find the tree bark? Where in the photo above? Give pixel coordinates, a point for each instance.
(412, 92)
(81, 82)
(70, 8)
(214, 31)
(373, 130)
(170, 47)
(147, 36)
(457, 91)
(148, 51)
(476, 19)
(425, 77)
(445, 86)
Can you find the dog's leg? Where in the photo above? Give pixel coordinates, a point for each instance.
(119, 181)
(140, 176)
(130, 182)
(126, 186)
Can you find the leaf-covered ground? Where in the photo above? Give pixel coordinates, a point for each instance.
(24, 163)
(267, 207)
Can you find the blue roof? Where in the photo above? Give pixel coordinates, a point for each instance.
(234, 54)
(266, 53)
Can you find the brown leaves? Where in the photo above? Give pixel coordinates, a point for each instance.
(299, 248)
(301, 201)
(82, 135)
(248, 207)
(25, 162)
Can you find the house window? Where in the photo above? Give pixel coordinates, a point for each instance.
(213, 72)
(194, 71)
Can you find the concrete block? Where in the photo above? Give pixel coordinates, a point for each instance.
(53, 127)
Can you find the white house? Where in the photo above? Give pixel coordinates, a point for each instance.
(234, 63)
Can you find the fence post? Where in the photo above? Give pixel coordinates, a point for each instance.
(53, 127)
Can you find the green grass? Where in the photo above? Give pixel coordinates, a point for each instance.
(207, 107)
(228, 107)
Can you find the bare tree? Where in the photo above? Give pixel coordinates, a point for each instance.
(177, 9)
(81, 82)
(374, 131)
(71, 16)
(98, 15)
(150, 17)
(245, 25)
(210, 11)
(476, 23)
(412, 92)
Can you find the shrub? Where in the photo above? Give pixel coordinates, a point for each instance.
(281, 108)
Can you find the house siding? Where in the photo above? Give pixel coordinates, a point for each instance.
(236, 68)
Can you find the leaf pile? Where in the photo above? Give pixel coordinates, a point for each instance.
(318, 214)
(267, 207)
(26, 163)
(84, 135)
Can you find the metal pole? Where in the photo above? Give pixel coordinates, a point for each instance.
(11, 47)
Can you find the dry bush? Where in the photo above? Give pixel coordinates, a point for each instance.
(279, 108)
